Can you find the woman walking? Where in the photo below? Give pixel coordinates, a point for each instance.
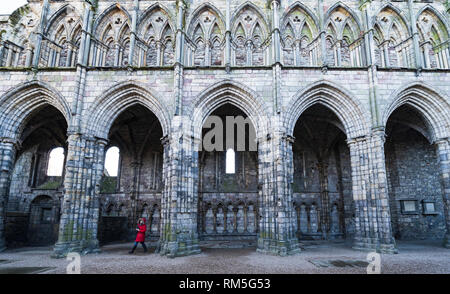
(140, 238)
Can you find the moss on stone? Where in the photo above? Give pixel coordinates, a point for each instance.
(108, 185)
(50, 185)
(17, 15)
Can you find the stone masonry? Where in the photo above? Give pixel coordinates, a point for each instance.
(349, 101)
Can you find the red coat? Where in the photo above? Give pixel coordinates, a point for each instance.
(141, 233)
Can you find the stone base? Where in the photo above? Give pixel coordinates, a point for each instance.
(447, 241)
(62, 249)
(177, 249)
(372, 245)
(2, 245)
(279, 248)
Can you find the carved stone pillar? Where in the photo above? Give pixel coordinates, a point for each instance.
(370, 194)
(276, 226)
(443, 150)
(179, 203)
(8, 150)
(80, 209)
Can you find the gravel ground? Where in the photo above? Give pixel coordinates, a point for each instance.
(417, 257)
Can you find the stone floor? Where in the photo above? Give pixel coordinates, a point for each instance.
(234, 258)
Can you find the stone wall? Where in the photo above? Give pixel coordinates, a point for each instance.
(413, 174)
(17, 229)
(163, 56)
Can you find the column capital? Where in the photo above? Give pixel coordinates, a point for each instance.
(6, 140)
(442, 141)
(355, 140)
(273, 2)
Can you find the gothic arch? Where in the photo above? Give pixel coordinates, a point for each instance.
(401, 19)
(432, 105)
(59, 15)
(349, 111)
(106, 13)
(439, 20)
(301, 6)
(20, 102)
(234, 93)
(145, 21)
(194, 19)
(352, 16)
(113, 102)
(259, 14)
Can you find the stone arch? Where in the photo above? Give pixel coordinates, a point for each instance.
(60, 14)
(234, 93)
(111, 104)
(439, 22)
(349, 111)
(261, 19)
(198, 11)
(20, 102)
(144, 18)
(104, 15)
(347, 9)
(301, 6)
(432, 105)
(398, 13)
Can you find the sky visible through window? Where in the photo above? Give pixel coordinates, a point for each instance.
(56, 162)
(8, 6)
(112, 161)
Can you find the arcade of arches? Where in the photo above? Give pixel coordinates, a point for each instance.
(103, 120)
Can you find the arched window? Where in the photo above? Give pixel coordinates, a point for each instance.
(112, 161)
(56, 162)
(230, 161)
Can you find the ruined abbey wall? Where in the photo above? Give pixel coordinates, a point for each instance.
(349, 101)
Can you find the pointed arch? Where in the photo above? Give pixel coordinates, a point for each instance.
(438, 23)
(340, 5)
(105, 19)
(145, 21)
(196, 18)
(398, 14)
(303, 8)
(347, 108)
(258, 13)
(102, 113)
(56, 18)
(232, 92)
(20, 102)
(431, 104)
(436, 13)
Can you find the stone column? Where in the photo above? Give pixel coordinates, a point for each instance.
(134, 17)
(80, 209)
(8, 150)
(415, 35)
(338, 52)
(276, 67)
(179, 61)
(443, 150)
(277, 214)
(42, 25)
(368, 35)
(228, 37)
(179, 203)
(370, 195)
(208, 47)
(426, 53)
(297, 54)
(322, 33)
